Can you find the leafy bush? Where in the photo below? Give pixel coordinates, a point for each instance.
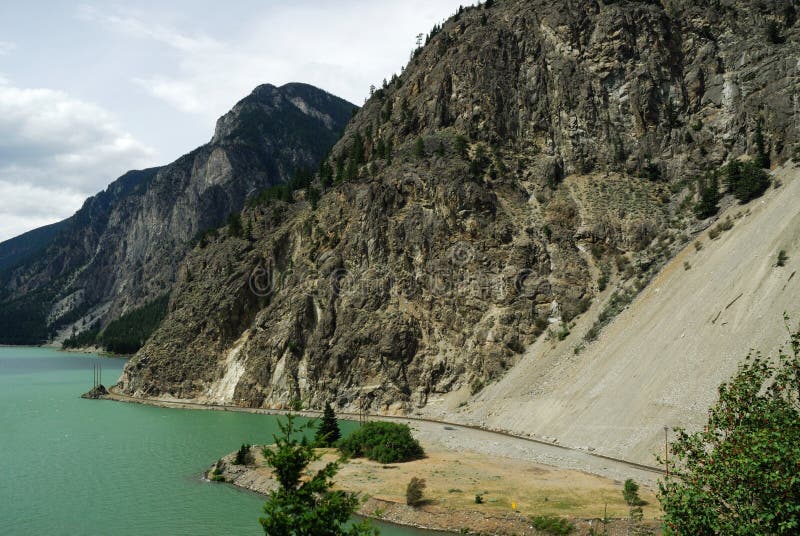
(782, 258)
(552, 525)
(383, 442)
(414, 491)
(738, 475)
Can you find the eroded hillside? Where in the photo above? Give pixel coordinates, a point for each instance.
(529, 156)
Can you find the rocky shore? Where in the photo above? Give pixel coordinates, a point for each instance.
(453, 481)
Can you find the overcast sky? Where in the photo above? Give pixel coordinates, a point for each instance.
(91, 90)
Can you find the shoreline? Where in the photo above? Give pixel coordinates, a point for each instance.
(489, 452)
(382, 486)
(644, 473)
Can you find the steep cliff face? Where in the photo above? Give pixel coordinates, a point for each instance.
(530, 155)
(122, 249)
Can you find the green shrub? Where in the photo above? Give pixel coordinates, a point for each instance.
(630, 492)
(383, 442)
(746, 180)
(244, 456)
(782, 258)
(414, 491)
(552, 525)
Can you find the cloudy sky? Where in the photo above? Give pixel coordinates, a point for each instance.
(90, 90)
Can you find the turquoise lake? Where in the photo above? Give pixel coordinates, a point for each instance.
(84, 467)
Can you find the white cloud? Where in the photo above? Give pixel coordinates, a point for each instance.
(131, 24)
(7, 48)
(54, 152)
(342, 47)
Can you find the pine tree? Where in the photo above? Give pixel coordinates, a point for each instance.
(762, 155)
(708, 205)
(380, 150)
(235, 225)
(419, 148)
(328, 432)
(306, 506)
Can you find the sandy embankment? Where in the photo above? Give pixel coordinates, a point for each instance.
(512, 490)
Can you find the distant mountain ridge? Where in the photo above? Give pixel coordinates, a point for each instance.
(122, 249)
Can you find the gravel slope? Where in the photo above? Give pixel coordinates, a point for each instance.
(660, 362)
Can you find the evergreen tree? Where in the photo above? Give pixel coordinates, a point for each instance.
(328, 432)
(419, 148)
(708, 205)
(762, 155)
(325, 174)
(351, 172)
(313, 197)
(380, 150)
(235, 225)
(305, 506)
(389, 150)
(746, 181)
(461, 146)
(340, 169)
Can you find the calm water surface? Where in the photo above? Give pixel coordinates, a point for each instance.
(74, 466)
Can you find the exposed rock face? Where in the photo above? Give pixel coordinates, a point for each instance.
(96, 393)
(534, 142)
(122, 249)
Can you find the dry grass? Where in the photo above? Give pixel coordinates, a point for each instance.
(453, 479)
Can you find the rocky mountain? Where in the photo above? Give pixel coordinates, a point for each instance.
(122, 249)
(535, 165)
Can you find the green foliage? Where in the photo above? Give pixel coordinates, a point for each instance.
(303, 178)
(762, 155)
(746, 180)
(708, 188)
(782, 258)
(419, 148)
(480, 162)
(128, 333)
(383, 442)
(328, 432)
(415, 491)
(739, 475)
(313, 197)
(773, 33)
(235, 225)
(244, 456)
(305, 506)
(461, 146)
(630, 492)
(552, 525)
